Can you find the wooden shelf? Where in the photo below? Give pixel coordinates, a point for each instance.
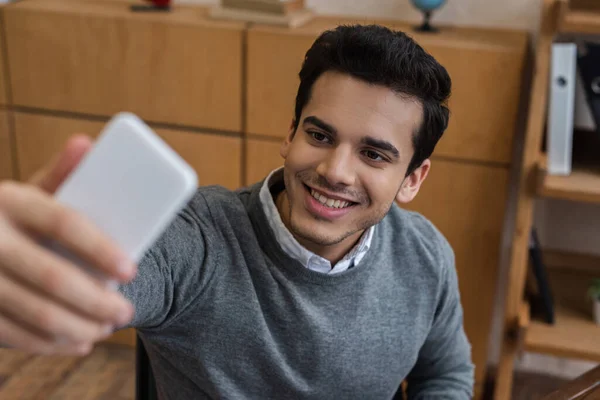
(579, 18)
(564, 260)
(583, 184)
(584, 22)
(574, 334)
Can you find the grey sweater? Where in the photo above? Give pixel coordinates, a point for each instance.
(225, 313)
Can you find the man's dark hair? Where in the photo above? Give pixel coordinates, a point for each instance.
(380, 56)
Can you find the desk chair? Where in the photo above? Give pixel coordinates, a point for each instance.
(145, 386)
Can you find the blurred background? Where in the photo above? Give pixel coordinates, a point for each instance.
(217, 80)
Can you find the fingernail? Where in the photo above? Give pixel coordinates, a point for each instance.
(84, 348)
(111, 285)
(126, 267)
(125, 315)
(61, 340)
(107, 330)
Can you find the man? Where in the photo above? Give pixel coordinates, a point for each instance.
(313, 284)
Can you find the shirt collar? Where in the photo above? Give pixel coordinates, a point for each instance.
(294, 249)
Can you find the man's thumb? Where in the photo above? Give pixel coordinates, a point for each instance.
(50, 177)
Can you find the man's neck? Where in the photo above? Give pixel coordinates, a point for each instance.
(332, 253)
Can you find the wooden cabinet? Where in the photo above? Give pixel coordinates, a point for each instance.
(199, 82)
(274, 61)
(466, 203)
(3, 76)
(6, 153)
(262, 157)
(485, 67)
(486, 83)
(215, 158)
(100, 58)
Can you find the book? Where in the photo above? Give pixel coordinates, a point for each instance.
(587, 62)
(561, 104)
(292, 19)
(266, 6)
(542, 302)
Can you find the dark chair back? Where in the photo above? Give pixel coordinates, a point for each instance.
(145, 385)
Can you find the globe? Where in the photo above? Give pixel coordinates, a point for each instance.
(427, 7)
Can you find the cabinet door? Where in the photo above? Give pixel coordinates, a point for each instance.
(486, 86)
(100, 58)
(274, 61)
(215, 158)
(467, 203)
(262, 157)
(484, 64)
(6, 151)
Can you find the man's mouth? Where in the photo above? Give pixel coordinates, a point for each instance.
(327, 201)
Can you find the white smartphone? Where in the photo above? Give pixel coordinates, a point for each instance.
(131, 185)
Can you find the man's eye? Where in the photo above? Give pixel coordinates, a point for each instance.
(318, 136)
(373, 155)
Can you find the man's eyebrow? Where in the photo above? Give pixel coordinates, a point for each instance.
(381, 145)
(367, 140)
(319, 123)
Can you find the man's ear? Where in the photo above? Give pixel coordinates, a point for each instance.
(285, 146)
(412, 183)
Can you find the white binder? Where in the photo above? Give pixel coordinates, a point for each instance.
(563, 74)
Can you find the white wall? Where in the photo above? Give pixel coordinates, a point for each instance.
(520, 14)
(505, 13)
(565, 225)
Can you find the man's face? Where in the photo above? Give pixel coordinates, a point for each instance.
(346, 163)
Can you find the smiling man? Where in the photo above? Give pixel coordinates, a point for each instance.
(352, 141)
(312, 284)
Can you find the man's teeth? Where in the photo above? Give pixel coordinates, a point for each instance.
(329, 202)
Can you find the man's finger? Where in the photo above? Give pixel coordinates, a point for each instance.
(19, 337)
(62, 281)
(53, 320)
(31, 210)
(50, 177)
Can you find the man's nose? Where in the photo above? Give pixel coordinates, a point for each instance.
(338, 168)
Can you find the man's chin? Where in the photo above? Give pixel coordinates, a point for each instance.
(315, 235)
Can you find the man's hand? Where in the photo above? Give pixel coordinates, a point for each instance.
(48, 304)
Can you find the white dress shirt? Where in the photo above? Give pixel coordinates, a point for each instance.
(294, 249)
